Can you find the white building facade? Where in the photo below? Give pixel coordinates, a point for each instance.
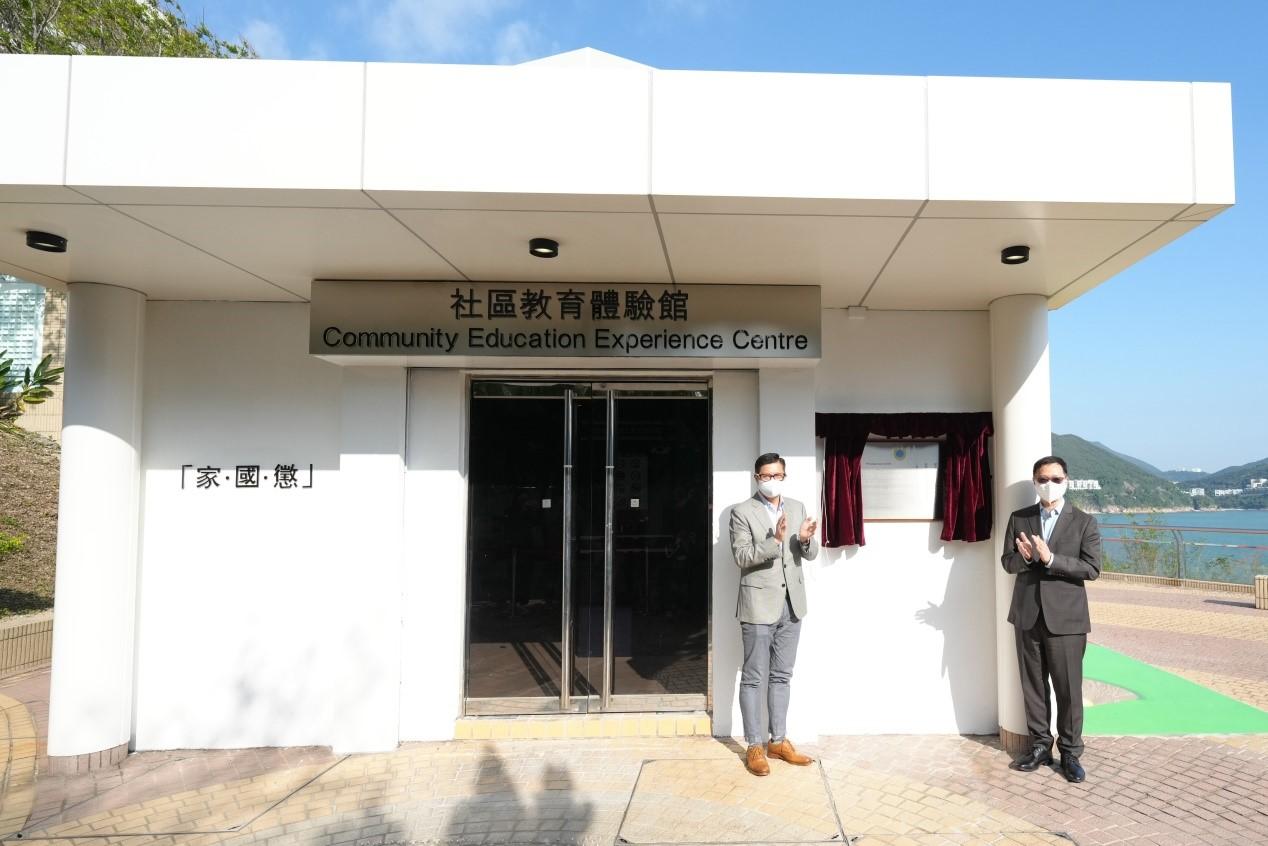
(268, 541)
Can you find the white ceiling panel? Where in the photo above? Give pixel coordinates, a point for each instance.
(33, 92)
(1213, 179)
(954, 264)
(175, 121)
(1155, 240)
(504, 201)
(121, 195)
(1053, 211)
(842, 254)
(498, 128)
(1063, 140)
(107, 246)
(40, 194)
(788, 135)
(26, 274)
(1202, 212)
(493, 245)
(294, 246)
(671, 203)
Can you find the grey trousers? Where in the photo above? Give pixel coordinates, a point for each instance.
(770, 650)
(1042, 655)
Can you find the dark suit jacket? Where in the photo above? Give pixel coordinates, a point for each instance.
(1058, 589)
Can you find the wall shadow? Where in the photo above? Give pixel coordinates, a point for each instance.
(958, 618)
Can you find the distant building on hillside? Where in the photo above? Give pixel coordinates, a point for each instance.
(1085, 485)
(1228, 491)
(1196, 491)
(1258, 483)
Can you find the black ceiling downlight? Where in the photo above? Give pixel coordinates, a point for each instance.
(1019, 254)
(543, 247)
(46, 241)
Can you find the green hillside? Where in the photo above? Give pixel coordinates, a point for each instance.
(1125, 486)
(1236, 477)
(1141, 464)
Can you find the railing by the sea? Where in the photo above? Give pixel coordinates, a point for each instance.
(1185, 552)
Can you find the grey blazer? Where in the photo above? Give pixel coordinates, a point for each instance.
(1058, 589)
(768, 568)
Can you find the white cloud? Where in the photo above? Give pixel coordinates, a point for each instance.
(517, 42)
(268, 40)
(433, 29)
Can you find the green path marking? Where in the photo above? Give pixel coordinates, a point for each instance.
(1167, 704)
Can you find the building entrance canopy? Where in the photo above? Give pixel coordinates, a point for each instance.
(254, 178)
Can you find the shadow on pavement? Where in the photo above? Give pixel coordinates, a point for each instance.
(498, 813)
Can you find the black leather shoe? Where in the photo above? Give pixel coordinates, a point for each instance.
(1036, 758)
(1071, 769)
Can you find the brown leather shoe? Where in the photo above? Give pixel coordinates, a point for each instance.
(755, 761)
(784, 751)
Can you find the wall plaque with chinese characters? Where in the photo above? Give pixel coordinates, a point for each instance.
(900, 480)
(456, 319)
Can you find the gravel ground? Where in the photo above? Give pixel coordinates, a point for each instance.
(28, 509)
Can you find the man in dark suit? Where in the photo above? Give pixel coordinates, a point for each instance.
(1053, 548)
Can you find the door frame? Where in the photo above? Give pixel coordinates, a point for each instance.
(612, 382)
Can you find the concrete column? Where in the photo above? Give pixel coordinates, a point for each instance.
(90, 698)
(435, 577)
(1022, 406)
(372, 484)
(786, 425)
(735, 424)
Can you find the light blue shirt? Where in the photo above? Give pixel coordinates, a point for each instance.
(1048, 518)
(774, 514)
(772, 511)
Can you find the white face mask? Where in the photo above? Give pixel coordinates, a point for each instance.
(771, 489)
(1051, 491)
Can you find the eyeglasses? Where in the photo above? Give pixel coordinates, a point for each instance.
(767, 477)
(1043, 480)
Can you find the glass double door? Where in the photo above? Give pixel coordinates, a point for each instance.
(589, 547)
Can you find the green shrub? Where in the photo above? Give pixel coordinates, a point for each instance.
(10, 543)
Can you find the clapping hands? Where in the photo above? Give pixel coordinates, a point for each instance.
(1033, 548)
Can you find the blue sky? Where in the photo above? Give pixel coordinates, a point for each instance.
(1167, 361)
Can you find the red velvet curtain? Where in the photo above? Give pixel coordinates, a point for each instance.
(964, 470)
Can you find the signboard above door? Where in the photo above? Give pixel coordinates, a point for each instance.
(455, 320)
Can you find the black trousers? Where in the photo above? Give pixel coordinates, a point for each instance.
(1042, 655)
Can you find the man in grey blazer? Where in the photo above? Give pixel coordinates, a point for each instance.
(1053, 548)
(770, 537)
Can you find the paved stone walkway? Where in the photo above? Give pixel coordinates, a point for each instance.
(880, 790)
(1218, 640)
(872, 791)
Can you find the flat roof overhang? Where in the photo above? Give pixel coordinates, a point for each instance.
(192, 179)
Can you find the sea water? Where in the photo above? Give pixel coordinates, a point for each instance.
(1187, 544)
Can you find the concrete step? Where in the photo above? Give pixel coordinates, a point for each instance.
(675, 724)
